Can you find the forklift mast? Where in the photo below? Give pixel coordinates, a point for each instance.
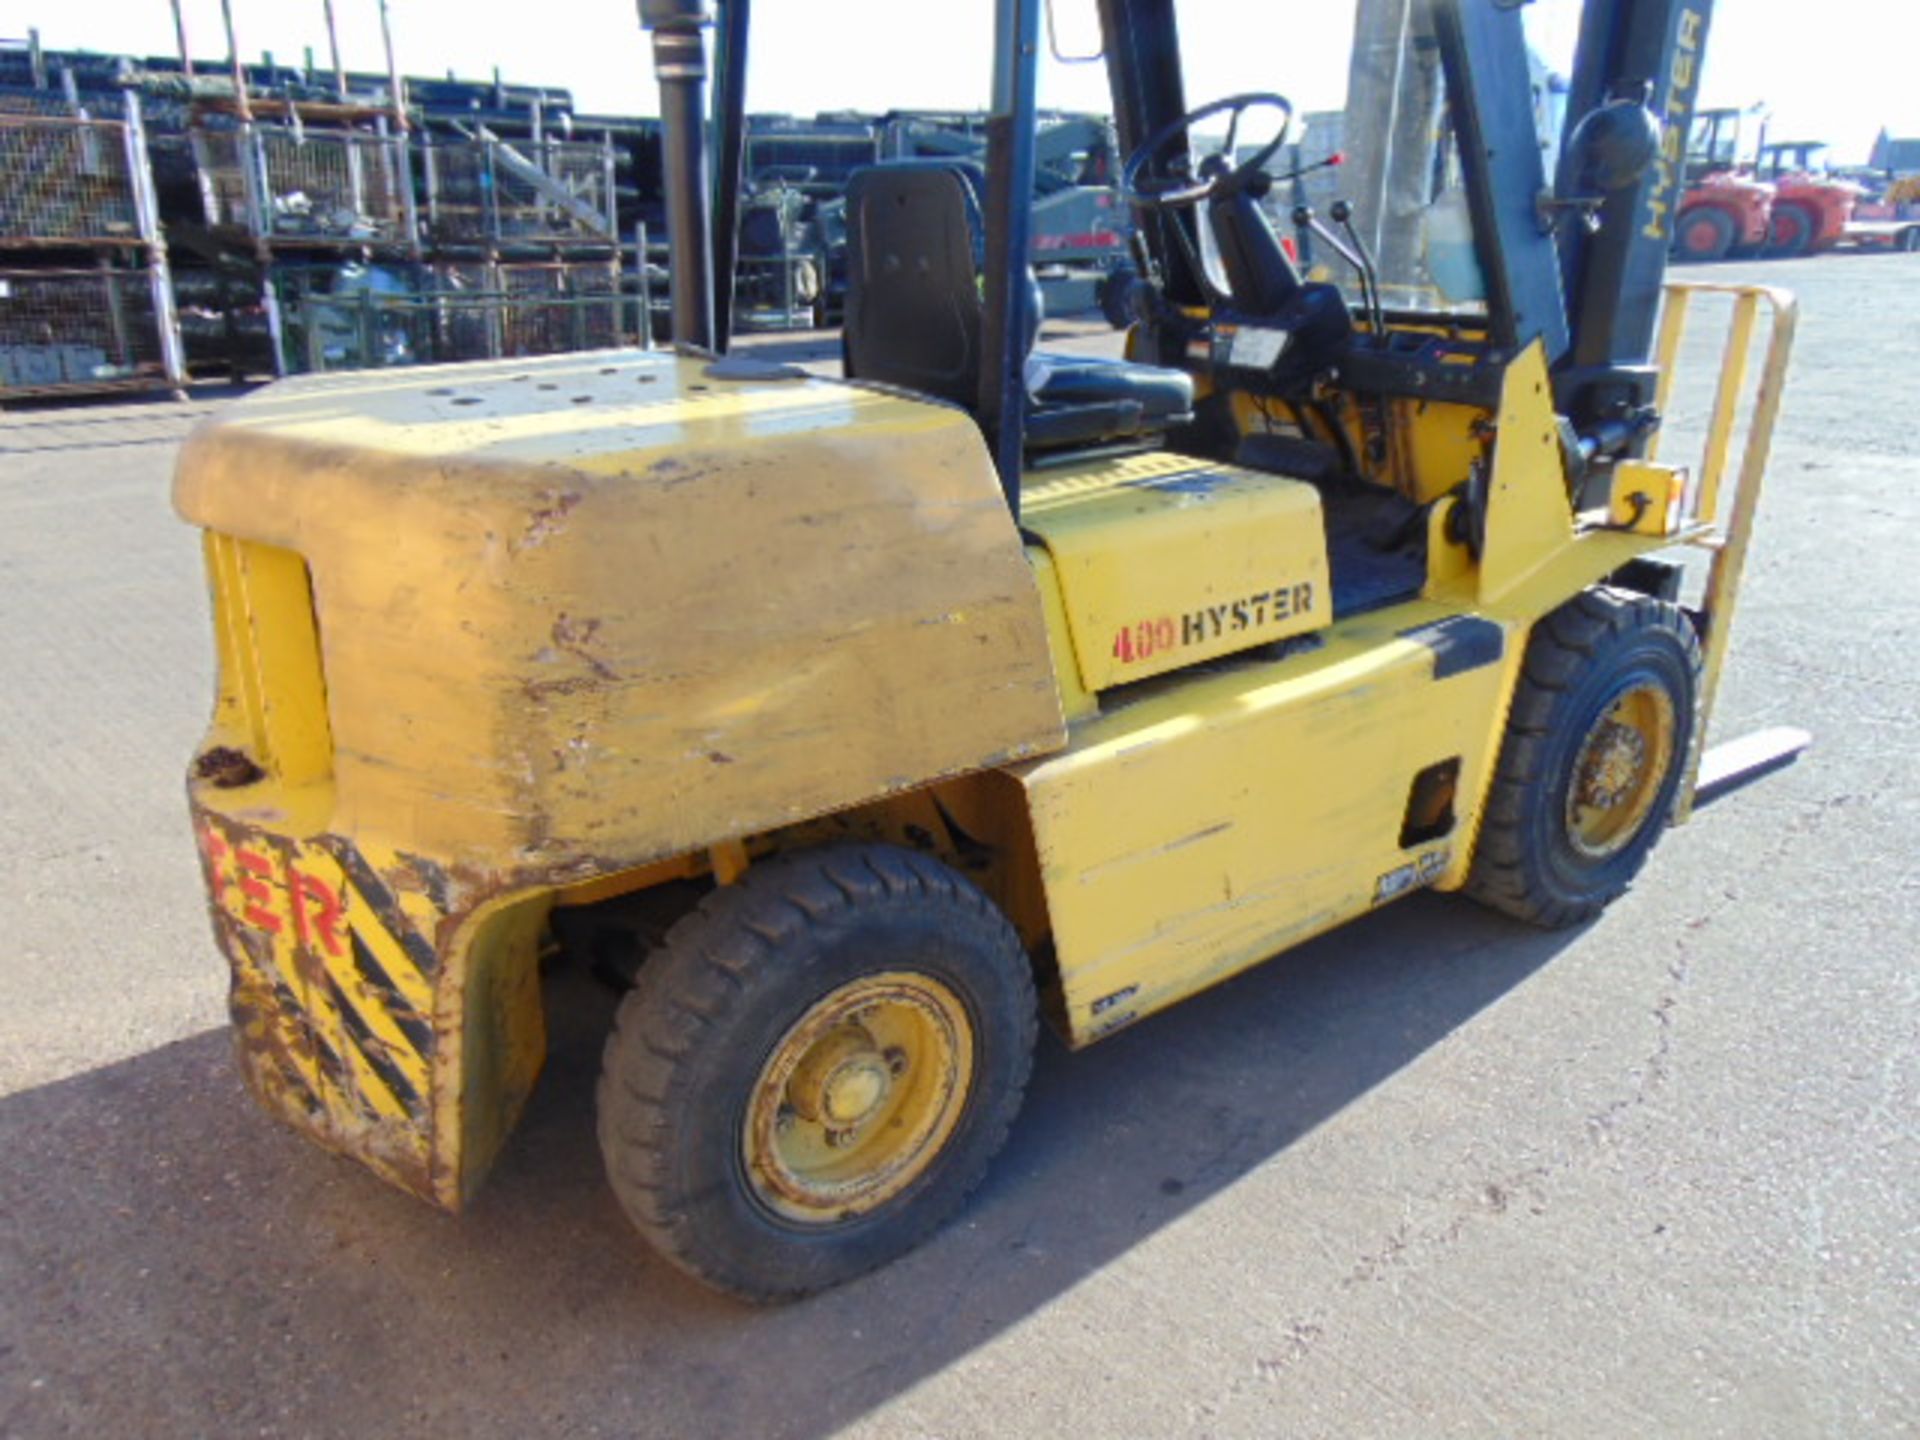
(1648, 51)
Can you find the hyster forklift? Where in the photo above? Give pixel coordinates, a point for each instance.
(883, 715)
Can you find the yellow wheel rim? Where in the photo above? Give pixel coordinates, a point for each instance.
(858, 1097)
(1619, 770)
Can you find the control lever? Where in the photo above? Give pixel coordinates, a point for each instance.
(1342, 214)
(1355, 255)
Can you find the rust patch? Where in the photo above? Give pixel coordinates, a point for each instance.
(547, 521)
(227, 768)
(539, 690)
(574, 636)
(429, 877)
(671, 472)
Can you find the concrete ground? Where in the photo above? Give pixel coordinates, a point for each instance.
(1434, 1175)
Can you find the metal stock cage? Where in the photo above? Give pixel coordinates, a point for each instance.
(489, 192)
(307, 186)
(64, 330)
(69, 181)
(453, 311)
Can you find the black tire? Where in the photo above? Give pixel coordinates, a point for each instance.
(1790, 233)
(1115, 295)
(1703, 234)
(1580, 660)
(1908, 241)
(708, 1013)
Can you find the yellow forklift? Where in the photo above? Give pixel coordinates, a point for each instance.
(879, 716)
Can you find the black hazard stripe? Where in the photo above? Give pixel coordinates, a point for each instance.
(409, 1021)
(373, 1049)
(1459, 643)
(381, 902)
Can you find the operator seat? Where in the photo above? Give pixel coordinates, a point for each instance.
(915, 317)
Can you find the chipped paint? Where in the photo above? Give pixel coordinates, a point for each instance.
(814, 581)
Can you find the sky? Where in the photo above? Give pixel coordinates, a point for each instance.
(1838, 71)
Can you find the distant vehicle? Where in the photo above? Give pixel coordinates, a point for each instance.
(1815, 209)
(1725, 211)
(1811, 207)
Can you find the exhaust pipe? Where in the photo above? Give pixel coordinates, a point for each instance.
(680, 65)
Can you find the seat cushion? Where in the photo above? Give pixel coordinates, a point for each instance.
(1055, 379)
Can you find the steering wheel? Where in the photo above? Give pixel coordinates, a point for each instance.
(1217, 174)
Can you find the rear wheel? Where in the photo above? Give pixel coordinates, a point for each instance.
(1603, 723)
(1791, 230)
(816, 1069)
(1704, 234)
(1909, 241)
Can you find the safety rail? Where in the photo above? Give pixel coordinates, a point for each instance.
(1727, 537)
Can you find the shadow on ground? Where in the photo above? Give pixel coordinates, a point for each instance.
(257, 1284)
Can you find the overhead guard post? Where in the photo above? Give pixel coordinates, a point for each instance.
(1010, 140)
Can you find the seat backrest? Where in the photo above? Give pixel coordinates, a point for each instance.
(914, 317)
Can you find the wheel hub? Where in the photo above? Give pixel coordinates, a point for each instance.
(842, 1080)
(1619, 770)
(858, 1097)
(1615, 760)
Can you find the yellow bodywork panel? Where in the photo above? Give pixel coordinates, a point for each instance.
(1214, 821)
(489, 635)
(1529, 515)
(598, 610)
(1076, 700)
(1434, 443)
(1165, 561)
(272, 702)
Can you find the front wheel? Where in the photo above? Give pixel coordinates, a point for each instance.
(816, 1069)
(1603, 723)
